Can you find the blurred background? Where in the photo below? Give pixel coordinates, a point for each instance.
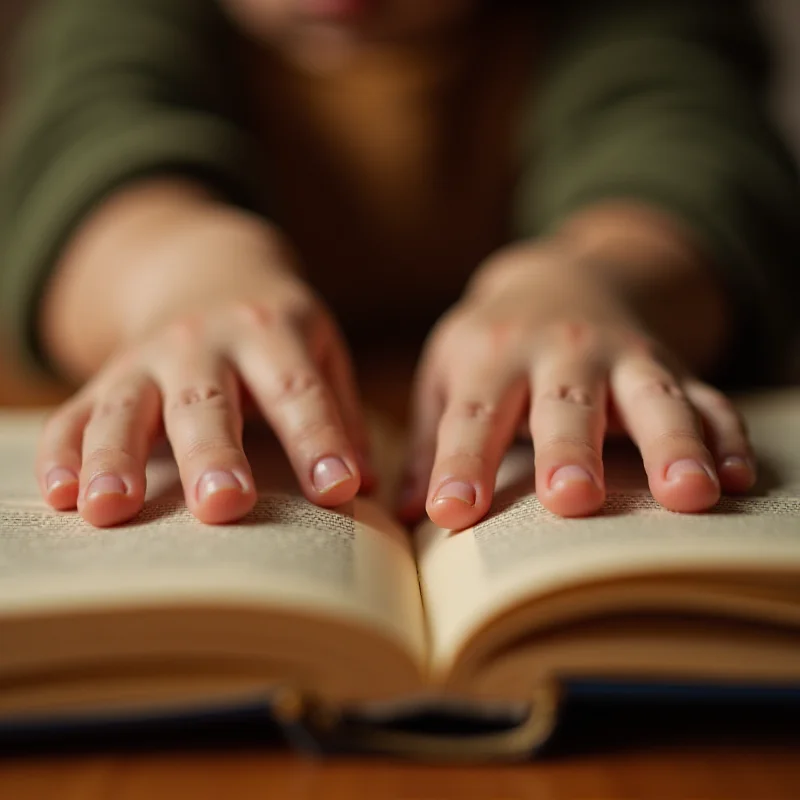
(781, 20)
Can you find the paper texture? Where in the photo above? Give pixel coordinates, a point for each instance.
(521, 551)
(354, 562)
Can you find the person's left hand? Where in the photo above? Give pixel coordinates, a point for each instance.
(550, 341)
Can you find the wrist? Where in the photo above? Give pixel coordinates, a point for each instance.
(642, 264)
(211, 258)
(149, 252)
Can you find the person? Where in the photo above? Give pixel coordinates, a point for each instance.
(203, 200)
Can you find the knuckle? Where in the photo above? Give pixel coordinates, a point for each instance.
(497, 338)
(218, 447)
(475, 411)
(463, 461)
(660, 388)
(293, 310)
(572, 395)
(676, 436)
(194, 397)
(300, 310)
(257, 315)
(574, 338)
(487, 339)
(117, 405)
(290, 387)
(573, 333)
(315, 430)
(562, 441)
(185, 331)
(107, 457)
(639, 346)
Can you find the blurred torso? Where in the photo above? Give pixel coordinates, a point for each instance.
(393, 177)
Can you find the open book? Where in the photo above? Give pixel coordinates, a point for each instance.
(354, 614)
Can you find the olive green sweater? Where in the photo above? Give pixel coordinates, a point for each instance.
(660, 101)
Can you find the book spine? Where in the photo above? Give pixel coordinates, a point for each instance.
(315, 729)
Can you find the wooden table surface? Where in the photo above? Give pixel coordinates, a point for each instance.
(754, 772)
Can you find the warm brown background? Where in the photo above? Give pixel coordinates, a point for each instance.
(782, 18)
(748, 756)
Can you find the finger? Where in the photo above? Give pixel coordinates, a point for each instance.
(294, 397)
(568, 422)
(726, 435)
(661, 420)
(58, 462)
(426, 412)
(338, 370)
(116, 443)
(480, 416)
(203, 422)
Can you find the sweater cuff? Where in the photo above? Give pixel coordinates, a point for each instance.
(83, 177)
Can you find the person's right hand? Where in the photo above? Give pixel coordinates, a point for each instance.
(188, 378)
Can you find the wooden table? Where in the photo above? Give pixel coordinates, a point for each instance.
(600, 751)
(753, 772)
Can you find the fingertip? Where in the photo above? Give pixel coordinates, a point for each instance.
(61, 487)
(107, 511)
(571, 491)
(64, 498)
(452, 514)
(687, 487)
(109, 500)
(334, 480)
(223, 496)
(737, 474)
(341, 494)
(577, 499)
(457, 505)
(226, 506)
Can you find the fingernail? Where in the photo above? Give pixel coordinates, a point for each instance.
(58, 477)
(105, 485)
(457, 490)
(687, 466)
(329, 473)
(738, 463)
(215, 481)
(564, 476)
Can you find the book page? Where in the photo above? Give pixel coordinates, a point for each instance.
(353, 563)
(521, 551)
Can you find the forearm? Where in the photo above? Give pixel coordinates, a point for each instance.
(647, 263)
(150, 252)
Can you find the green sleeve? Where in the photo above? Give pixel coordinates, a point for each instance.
(665, 102)
(106, 92)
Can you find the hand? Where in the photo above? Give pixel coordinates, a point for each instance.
(551, 341)
(188, 377)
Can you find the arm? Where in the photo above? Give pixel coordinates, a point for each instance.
(109, 93)
(657, 110)
(133, 255)
(656, 236)
(648, 261)
(153, 251)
